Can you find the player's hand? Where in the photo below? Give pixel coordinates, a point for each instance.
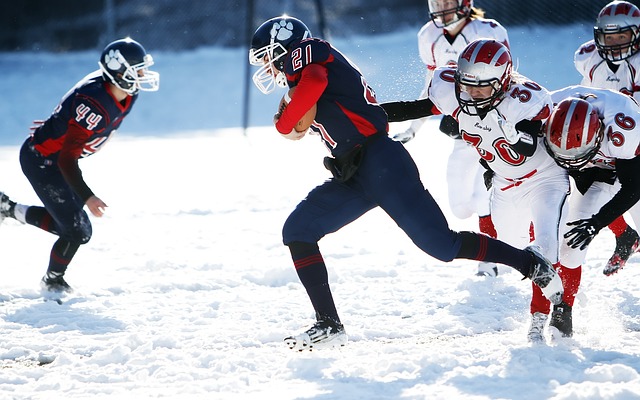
(96, 206)
(450, 127)
(583, 233)
(405, 136)
(294, 134)
(487, 176)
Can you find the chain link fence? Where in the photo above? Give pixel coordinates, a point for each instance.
(70, 25)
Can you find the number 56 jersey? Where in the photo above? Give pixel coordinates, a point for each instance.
(620, 115)
(523, 100)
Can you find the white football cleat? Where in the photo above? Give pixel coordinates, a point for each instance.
(326, 333)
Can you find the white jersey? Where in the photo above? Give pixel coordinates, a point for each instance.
(436, 51)
(596, 72)
(621, 117)
(525, 189)
(526, 100)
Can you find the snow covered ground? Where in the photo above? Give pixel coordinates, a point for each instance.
(186, 291)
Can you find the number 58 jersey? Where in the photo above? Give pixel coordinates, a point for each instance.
(524, 100)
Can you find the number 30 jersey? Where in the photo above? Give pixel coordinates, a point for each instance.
(524, 100)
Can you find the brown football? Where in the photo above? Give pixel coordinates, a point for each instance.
(306, 120)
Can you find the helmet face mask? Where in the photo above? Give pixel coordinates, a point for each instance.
(270, 74)
(269, 46)
(449, 13)
(126, 64)
(482, 65)
(618, 17)
(573, 133)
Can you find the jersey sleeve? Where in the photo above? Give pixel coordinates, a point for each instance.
(582, 60)
(74, 142)
(313, 81)
(498, 32)
(442, 90)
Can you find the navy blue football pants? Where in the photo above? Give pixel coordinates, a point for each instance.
(62, 214)
(389, 178)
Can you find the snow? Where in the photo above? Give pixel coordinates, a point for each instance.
(186, 291)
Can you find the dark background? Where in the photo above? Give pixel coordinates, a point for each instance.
(69, 25)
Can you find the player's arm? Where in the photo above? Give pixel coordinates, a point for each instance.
(313, 81)
(628, 171)
(405, 110)
(527, 132)
(68, 157)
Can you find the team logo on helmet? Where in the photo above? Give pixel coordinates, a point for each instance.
(114, 60)
(282, 30)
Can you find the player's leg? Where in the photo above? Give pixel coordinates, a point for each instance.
(326, 209)
(627, 243)
(548, 203)
(62, 215)
(398, 190)
(571, 260)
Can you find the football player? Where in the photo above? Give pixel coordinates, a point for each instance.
(453, 25)
(500, 113)
(595, 134)
(369, 170)
(611, 61)
(80, 125)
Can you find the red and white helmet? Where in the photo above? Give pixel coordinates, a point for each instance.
(484, 62)
(617, 17)
(573, 133)
(449, 13)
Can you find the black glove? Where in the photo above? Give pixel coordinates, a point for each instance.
(450, 127)
(488, 178)
(583, 233)
(488, 174)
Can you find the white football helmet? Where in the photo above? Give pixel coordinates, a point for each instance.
(617, 17)
(483, 63)
(449, 14)
(573, 133)
(269, 45)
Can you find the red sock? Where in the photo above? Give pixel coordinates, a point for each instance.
(539, 303)
(570, 281)
(532, 233)
(486, 226)
(618, 226)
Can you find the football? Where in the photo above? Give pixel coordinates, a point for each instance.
(306, 120)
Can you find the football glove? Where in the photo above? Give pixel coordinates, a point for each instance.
(450, 127)
(583, 233)
(405, 136)
(487, 175)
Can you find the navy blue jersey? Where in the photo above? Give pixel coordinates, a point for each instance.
(80, 125)
(89, 109)
(347, 111)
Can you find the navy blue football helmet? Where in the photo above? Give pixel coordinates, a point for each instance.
(270, 43)
(125, 63)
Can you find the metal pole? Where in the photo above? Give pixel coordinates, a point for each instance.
(110, 21)
(249, 28)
